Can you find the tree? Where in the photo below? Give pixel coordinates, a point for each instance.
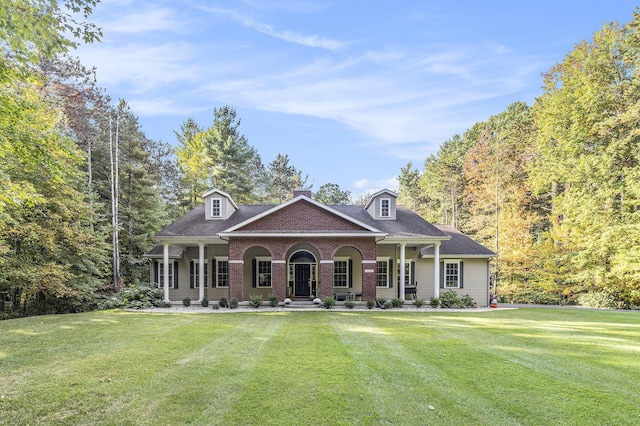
(331, 194)
(233, 160)
(56, 260)
(194, 163)
(283, 178)
(409, 180)
(587, 163)
(31, 28)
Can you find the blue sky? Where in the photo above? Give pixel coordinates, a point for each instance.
(350, 90)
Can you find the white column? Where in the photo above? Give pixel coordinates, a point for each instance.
(201, 272)
(402, 270)
(165, 266)
(436, 269)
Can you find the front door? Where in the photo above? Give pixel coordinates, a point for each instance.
(302, 280)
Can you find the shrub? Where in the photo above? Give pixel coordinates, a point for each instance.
(223, 302)
(418, 303)
(450, 299)
(397, 302)
(371, 304)
(273, 300)
(349, 304)
(255, 300)
(233, 303)
(596, 299)
(388, 305)
(186, 301)
(138, 297)
(381, 302)
(215, 306)
(329, 302)
(205, 302)
(434, 302)
(467, 301)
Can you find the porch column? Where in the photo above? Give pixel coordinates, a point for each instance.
(402, 270)
(436, 269)
(200, 272)
(165, 267)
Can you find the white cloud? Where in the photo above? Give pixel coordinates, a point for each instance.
(288, 36)
(141, 67)
(153, 19)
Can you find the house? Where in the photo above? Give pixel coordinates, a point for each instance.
(302, 248)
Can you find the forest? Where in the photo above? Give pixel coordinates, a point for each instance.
(553, 187)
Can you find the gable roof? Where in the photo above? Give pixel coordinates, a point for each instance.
(357, 226)
(222, 193)
(459, 245)
(377, 194)
(409, 226)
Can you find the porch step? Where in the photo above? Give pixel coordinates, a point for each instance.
(301, 304)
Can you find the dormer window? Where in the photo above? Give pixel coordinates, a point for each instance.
(216, 207)
(385, 207)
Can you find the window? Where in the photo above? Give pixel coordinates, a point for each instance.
(222, 272)
(160, 274)
(409, 273)
(451, 274)
(195, 273)
(382, 279)
(263, 269)
(216, 207)
(385, 207)
(341, 273)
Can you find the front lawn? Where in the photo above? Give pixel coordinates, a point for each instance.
(526, 366)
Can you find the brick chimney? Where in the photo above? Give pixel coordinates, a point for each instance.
(304, 192)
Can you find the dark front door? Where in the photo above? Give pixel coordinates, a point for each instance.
(303, 274)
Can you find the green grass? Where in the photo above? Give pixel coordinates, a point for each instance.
(527, 366)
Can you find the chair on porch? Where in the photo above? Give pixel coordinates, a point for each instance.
(410, 290)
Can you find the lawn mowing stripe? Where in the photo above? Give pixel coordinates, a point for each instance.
(392, 367)
(305, 376)
(207, 378)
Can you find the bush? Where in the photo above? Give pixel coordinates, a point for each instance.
(418, 303)
(205, 302)
(381, 302)
(596, 299)
(388, 305)
(273, 300)
(450, 299)
(467, 301)
(186, 301)
(223, 302)
(397, 302)
(371, 304)
(138, 297)
(233, 303)
(434, 302)
(215, 306)
(255, 300)
(329, 302)
(349, 304)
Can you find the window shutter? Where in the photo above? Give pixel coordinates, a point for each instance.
(175, 274)
(412, 274)
(205, 274)
(461, 272)
(390, 272)
(192, 275)
(254, 271)
(156, 266)
(441, 274)
(214, 275)
(350, 273)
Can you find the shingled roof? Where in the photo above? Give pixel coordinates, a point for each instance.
(459, 245)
